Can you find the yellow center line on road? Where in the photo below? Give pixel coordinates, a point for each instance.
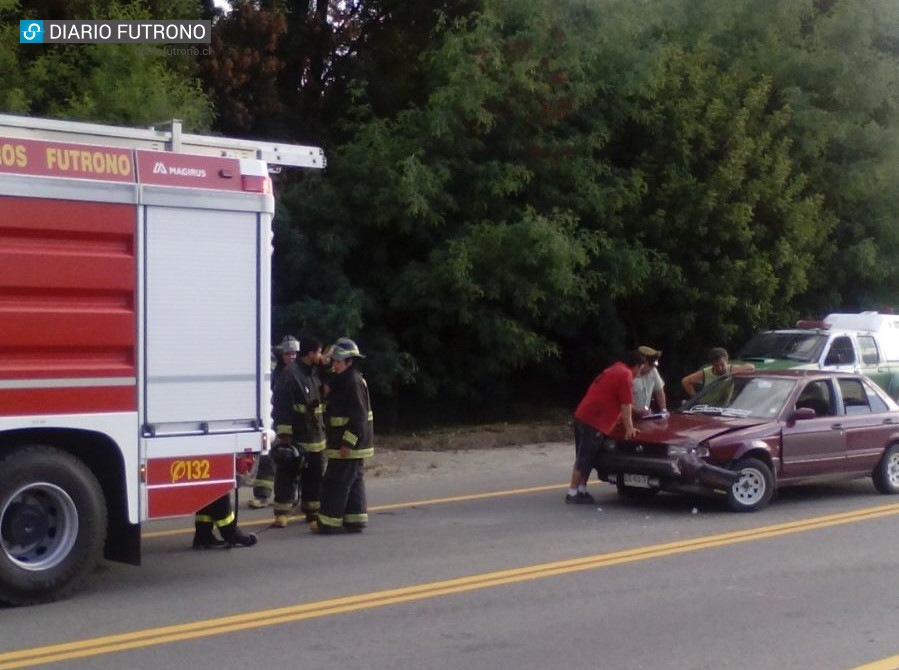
(891, 663)
(241, 622)
(382, 508)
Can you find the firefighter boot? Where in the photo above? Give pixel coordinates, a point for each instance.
(203, 537)
(235, 537)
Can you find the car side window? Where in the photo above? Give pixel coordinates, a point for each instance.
(875, 401)
(817, 395)
(841, 352)
(855, 397)
(867, 347)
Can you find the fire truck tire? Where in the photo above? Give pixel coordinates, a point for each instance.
(52, 524)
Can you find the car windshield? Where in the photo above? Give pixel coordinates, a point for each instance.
(749, 397)
(804, 347)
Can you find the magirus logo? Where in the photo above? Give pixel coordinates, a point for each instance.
(161, 168)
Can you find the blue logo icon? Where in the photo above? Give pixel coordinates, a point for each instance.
(31, 32)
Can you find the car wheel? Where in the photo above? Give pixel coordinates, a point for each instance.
(755, 487)
(886, 474)
(52, 524)
(634, 491)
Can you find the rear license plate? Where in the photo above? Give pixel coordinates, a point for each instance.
(640, 481)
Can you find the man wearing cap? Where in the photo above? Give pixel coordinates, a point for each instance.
(350, 433)
(608, 400)
(648, 384)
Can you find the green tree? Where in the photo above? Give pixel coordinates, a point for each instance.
(115, 83)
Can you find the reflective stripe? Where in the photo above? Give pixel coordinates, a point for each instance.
(224, 522)
(354, 453)
(371, 416)
(203, 518)
(282, 507)
(313, 447)
(350, 438)
(356, 518)
(302, 409)
(329, 521)
(263, 484)
(340, 420)
(281, 429)
(311, 506)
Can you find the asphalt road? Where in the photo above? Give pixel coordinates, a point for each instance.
(492, 570)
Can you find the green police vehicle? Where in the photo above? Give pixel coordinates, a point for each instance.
(867, 343)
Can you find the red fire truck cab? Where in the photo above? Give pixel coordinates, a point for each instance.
(134, 335)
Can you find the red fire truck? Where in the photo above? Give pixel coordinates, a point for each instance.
(134, 335)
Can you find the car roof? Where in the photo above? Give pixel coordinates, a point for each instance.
(799, 374)
(816, 331)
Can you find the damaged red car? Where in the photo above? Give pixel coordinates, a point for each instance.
(745, 435)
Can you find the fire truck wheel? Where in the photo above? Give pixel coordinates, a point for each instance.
(52, 524)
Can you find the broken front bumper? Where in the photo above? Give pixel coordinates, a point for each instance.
(685, 470)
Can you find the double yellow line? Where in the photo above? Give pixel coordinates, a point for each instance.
(282, 615)
(382, 508)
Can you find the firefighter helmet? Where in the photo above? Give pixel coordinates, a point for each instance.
(345, 348)
(285, 454)
(289, 344)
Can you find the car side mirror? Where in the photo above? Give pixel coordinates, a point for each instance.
(803, 413)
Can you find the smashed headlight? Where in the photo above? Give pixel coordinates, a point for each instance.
(675, 450)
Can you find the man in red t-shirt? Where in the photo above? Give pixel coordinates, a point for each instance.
(608, 400)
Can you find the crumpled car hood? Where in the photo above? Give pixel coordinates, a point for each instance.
(688, 429)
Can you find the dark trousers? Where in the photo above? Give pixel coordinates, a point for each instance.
(265, 477)
(217, 514)
(343, 494)
(309, 478)
(219, 511)
(587, 444)
(311, 481)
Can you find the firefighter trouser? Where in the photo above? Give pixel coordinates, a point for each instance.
(343, 495)
(265, 477)
(309, 478)
(311, 481)
(286, 476)
(218, 514)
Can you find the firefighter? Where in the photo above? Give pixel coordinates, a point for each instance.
(350, 433)
(264, 483)
(219, 514)
(298, 422)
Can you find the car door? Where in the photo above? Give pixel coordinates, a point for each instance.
(816, 446)
(840, 355)
(866, 421)
(873, 364)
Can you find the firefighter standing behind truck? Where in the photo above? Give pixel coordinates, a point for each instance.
(219, 514)
(297, 415)
(350, 433)
(264, 483)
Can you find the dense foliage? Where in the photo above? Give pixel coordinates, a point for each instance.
(518, 190)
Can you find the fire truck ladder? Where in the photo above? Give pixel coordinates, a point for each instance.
(167, 138)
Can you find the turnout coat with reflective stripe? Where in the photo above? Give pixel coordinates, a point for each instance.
(297, 406)
(349, 420)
